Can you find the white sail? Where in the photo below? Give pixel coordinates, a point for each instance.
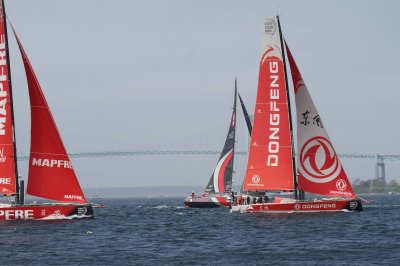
(319, 167)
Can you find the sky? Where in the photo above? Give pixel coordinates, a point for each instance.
(129, 75)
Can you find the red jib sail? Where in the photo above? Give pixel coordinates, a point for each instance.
(270, 165)
(50, 171)
(320, 170)
(7, 156)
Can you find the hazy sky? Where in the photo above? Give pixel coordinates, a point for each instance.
(128, 75)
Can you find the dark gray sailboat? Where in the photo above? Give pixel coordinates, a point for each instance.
(218, 189)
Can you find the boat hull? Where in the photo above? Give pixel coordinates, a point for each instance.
(207, 202)
(46, 212)
(300, 207)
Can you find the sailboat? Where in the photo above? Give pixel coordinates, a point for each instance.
(219, 187)
(271, 165)
(51, 175)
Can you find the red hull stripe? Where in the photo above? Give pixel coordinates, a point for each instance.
(223, 201)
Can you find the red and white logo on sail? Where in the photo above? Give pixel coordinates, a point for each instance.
(341, 185)
(318, 160)
(255, 179)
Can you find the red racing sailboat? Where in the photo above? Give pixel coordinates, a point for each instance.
(271, 164)
(51, 175)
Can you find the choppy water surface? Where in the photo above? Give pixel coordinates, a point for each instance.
(149, 231)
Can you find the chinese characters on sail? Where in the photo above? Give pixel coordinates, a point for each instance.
(316, 120)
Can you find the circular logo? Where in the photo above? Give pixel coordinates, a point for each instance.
(297, 206)
(318, 160)
(255, 179)
(341, 185)
(82, 211)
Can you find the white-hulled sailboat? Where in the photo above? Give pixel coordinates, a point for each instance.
(51, 175)
(271, 164)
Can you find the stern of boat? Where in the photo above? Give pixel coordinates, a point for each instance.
(82, 211)
(207, 202)
(59, 212)
(354, 205)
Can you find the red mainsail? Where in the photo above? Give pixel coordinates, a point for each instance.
(51, 175)
(270, 165)
(319, 167)
(7, 153)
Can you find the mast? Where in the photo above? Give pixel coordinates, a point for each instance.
(290, 112)
(249, 128)
(234, 130)
(17, 199)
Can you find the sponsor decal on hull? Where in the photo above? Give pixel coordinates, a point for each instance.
(14, 214)
(325, 206)
(5, 181)
(44, 212)
(320, 206)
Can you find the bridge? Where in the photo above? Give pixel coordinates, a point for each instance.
(379, 165)
(380, 157)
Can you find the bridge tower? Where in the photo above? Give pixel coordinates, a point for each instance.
(380, 169)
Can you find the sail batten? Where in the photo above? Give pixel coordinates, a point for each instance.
(51, 175)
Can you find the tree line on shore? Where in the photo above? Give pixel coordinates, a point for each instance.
(375, 186)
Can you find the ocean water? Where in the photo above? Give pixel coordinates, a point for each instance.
(162, 232)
